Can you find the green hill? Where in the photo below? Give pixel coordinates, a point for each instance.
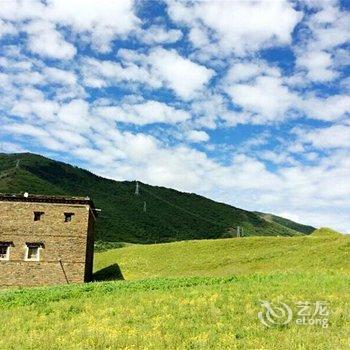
(326, 232)
(170, 215)
(227, 257)
(287, 223)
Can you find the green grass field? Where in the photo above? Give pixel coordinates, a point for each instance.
(322, 251)
(191, 295)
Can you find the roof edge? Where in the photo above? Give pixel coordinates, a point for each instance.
(26, 197)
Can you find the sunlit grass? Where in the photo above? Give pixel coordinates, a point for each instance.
(226, 257)
(184, 313)
(160, 306)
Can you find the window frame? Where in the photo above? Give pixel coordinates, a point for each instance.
(31, 245)
(8, 247)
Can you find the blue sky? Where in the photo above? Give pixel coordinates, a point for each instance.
(244, 102)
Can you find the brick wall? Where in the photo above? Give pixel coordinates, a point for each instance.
(67, 247)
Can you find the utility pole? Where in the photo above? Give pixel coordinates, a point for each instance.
(137, 189)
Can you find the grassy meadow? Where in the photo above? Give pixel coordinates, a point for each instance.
(322, 251)
(190, 295)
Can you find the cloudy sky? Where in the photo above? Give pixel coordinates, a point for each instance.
(244, 102)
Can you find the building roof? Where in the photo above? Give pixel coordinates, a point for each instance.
(26, 197)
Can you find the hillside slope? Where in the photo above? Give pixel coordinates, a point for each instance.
(227, 257)
(287, 223)
(326, 232)
(170, 215)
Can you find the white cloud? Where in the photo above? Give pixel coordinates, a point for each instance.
(245, 71)
(328, 28)
(102, 73)
(209, 108)
(99, 22)
(36, 108)
(157, 35)
(103, 21)
(75, 114)
(335, 136)
(158, 68)
(260, 90)
(7, 28)
(183, 76)
(29, 77)
(276, 157)
(10, 147)
(25, 129)
(17, 10)
(46, 41)
(71, 138)
(143, 113)
(237, 27)
(197, 136)
(318, 65)
(329, 108)
(266, 97)
(30, 89)
(198, 35)
(59, 76)
(47, 106)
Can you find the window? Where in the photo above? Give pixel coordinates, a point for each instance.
(5, 250)
(68, 217)
(33, 251)
(38, 215)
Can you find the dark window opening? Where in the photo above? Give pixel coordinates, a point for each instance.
(4, 250)
(38, 215)
(33, 252)
(68, 217)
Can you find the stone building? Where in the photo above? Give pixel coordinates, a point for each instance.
(45, 240)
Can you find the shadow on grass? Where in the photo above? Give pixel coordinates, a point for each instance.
(109, 273)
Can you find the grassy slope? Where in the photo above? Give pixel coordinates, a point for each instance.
(229, 257)
(171, 215)
(190, 312)
(326, 232)
(287, 223)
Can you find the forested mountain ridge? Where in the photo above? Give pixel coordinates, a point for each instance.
(168, 215)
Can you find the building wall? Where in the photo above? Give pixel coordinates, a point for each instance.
(68, 242)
